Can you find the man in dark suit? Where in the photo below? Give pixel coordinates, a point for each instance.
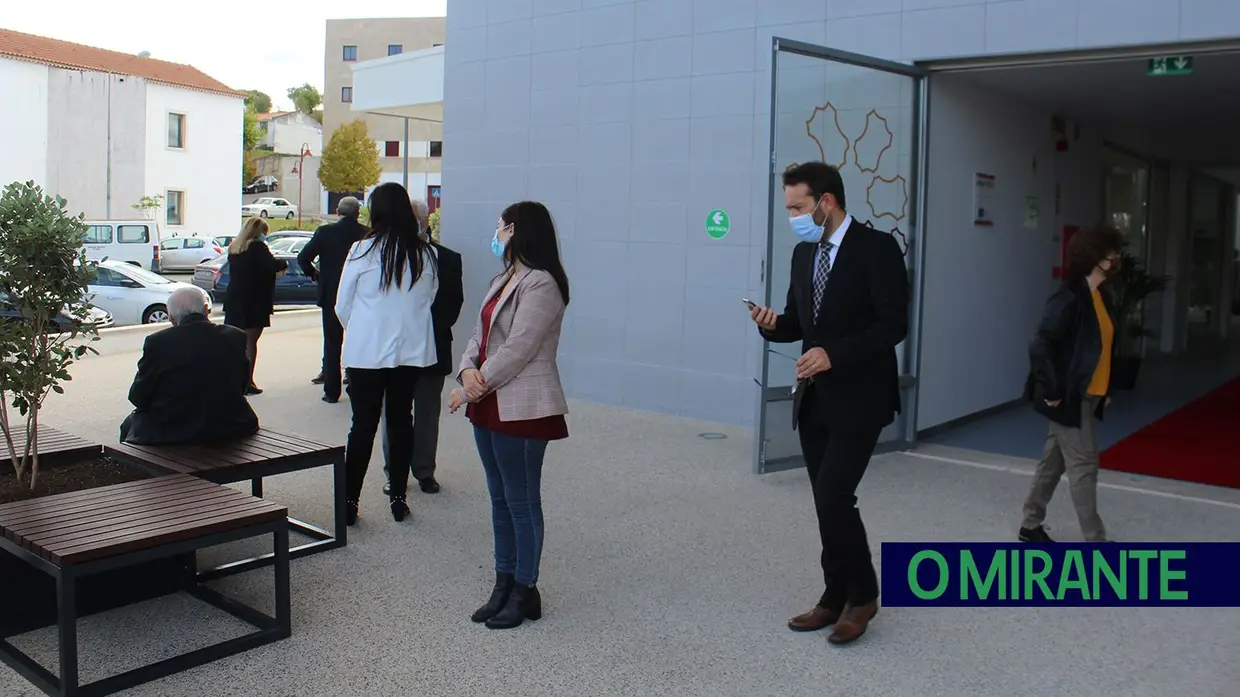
(330, 245)
(191, 381)
(428, 394)
(848, 306)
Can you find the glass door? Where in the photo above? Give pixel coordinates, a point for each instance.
(865, 116)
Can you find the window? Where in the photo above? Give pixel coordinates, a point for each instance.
(169, 245)
(436, 148)
(107, 277)
(176, 131)
(133, 234)
(193, 243)
(391, 148)
(98, 234)
(175, 205)
(395, 49)
(346, 94)
(350, 53)
(281, 202)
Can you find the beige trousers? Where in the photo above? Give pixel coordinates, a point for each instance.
(1071, 450)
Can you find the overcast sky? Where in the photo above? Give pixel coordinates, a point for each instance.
(269, 46)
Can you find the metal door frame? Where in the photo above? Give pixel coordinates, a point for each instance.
(916, 226)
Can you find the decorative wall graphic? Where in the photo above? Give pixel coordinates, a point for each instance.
(853, 146)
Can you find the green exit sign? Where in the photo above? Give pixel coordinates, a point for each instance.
(1171, 65)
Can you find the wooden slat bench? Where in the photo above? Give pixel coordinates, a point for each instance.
(69, 536)
(264, 454)
(55, 446)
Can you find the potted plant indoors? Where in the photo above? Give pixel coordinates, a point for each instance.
(1128, 291)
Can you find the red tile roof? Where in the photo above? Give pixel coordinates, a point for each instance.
(65, 54)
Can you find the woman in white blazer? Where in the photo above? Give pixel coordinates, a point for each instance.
(384, 302)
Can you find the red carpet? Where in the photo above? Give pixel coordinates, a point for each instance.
(1199, 442)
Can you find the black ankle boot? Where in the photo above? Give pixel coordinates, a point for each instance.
(400, 509)
(499, 596)
(350, 512)
(524, 603)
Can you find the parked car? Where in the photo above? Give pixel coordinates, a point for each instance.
(132, 241)
(292, 287)
(261, 185)
(269, 207)
(222, 241)
(289, 244)
(96, 317)
(184, 253)
(285, 234)
(133, 295)
(206, 272)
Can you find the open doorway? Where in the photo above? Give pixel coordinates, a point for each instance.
(1070, 142)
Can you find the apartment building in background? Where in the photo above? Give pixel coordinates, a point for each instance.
(350, 41)
(104, 129)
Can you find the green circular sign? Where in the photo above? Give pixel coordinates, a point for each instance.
(718, 224)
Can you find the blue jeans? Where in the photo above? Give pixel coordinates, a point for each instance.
(514, 479)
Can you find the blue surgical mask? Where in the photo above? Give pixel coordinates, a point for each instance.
(806, 230)
(497, 246)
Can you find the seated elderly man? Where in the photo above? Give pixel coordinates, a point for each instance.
(191, 381)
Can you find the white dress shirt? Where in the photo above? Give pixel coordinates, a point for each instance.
(385, 327)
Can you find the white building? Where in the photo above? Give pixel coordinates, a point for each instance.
(286, 132)
(104, 129)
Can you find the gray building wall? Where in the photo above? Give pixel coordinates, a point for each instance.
(80, 107)
(632, 119)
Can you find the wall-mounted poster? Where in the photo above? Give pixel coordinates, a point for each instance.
(983, 198)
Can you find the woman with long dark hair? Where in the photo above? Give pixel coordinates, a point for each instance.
(249, 300)
(384, 304)
(511, 381)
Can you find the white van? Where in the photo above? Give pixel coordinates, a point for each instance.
(131, 241)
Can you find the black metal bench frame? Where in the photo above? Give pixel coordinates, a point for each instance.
(255, 472)
(269, 629)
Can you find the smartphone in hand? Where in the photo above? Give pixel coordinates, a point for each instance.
(749, 303)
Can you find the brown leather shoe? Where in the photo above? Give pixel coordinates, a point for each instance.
(817, 618)
(853, 623)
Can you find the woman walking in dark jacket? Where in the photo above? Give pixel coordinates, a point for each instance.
(249, 301)
(1069, 381)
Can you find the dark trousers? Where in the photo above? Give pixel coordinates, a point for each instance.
(371, 394)
(333, 340)
(514, 479)
(427, 407)
(836, 460)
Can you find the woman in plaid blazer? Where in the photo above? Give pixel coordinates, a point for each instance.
(511, 382)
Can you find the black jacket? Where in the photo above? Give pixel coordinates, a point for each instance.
(447, 306)
(1064, 354)
(864, 316)
(249, 300)
(330, 245)
(190, 386)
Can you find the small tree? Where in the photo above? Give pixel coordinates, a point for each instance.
(43, 274)
(258, 99)
(350, 159)
(305, 98)
(432, 225)
(251, 134)
(149, 205)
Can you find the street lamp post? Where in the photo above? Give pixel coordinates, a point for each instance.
(299, 169)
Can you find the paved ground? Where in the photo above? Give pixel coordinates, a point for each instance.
(669, 570)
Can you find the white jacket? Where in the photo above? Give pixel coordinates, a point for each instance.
(385, 328)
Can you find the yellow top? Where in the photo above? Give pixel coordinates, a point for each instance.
(1102, 373)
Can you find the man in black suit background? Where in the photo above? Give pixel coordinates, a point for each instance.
(330, 245)
(428, 394)
(191, 381)
(848, 306)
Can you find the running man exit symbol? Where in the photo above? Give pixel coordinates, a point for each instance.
(1171, 65)
(718, 224)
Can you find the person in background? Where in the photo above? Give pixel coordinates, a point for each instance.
(511, 381)
(384, 303)
(428, 396)
(249, 301)
(191, 381)
(1069, 381)
(848, 300)
(330, 245)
